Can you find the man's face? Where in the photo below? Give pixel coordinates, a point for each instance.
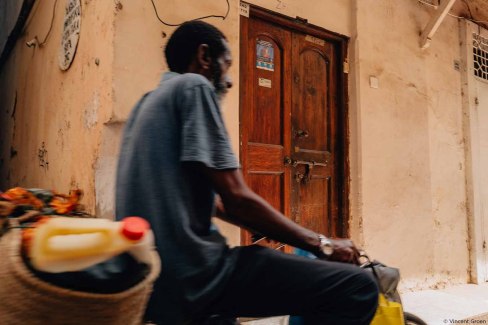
(220, 69)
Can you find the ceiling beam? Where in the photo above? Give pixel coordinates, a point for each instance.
(435, 22)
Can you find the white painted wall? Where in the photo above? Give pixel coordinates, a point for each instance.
(482, 258)
(475, 107)
(411, 177)
(482, 253)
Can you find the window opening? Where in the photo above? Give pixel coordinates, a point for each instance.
(480, 56)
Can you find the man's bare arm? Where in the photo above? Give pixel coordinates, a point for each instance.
(244, 208)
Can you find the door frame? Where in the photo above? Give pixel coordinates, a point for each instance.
(477, 235)
(301, 25)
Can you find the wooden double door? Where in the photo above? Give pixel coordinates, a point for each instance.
(292, 113)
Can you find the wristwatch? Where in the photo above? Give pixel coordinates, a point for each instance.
(326, 245)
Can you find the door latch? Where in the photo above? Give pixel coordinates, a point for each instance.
(309, 166)
(293, 162)
(299, 177)
(308, 172)
(288, 161)
(301, 134)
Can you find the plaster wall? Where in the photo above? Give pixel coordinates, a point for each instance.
(52, 120)
(412, 198)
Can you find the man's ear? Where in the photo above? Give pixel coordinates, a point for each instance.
(203, 56)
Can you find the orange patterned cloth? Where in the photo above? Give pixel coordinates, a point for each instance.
(21, 196)
(45, 201)
(64, 204)
(36, 205)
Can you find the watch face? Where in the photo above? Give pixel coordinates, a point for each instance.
(326, 245)
(328, 249)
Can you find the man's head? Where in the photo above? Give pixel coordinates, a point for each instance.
(199, 47)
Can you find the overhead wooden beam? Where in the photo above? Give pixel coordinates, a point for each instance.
(435, 22)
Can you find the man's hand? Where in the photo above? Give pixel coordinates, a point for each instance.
(344, 251)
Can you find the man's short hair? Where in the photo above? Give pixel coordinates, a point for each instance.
(183, 44)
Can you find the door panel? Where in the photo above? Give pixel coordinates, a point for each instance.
(310, 106)
(263, 121)
(268, 186)
(290, 152)
(314, 128)
(315, 201)
(265, 158)
(266, 111)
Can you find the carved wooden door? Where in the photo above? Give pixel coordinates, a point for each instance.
(291, 138)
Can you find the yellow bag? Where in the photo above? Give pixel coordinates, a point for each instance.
(388, 313)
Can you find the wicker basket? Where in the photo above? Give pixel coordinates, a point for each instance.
(24, 299)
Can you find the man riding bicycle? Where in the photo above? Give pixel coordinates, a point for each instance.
(174, 157)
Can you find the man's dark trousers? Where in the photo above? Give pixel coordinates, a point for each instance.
(269, 283)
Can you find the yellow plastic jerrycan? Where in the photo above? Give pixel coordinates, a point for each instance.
(72, 244)
(388, 313)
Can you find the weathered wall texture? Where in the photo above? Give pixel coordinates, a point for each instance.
(335, 16)
(52, 120)
(412, 194)
(408, 195)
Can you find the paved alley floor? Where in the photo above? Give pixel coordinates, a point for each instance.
(468, 302)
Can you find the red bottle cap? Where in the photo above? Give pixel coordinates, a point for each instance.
(134, 228)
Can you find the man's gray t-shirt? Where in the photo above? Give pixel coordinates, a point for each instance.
(178, 122)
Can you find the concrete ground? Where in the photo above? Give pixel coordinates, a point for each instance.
(451, 305)
(462, 304)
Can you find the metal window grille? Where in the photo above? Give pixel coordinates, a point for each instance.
(480, 56)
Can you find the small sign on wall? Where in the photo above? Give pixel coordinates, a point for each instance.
(315, 40)
(244, 9)
(71, 33)
(263, 82)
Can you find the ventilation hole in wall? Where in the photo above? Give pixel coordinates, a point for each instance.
(480, 56)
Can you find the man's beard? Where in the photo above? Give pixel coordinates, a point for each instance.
(219, 84)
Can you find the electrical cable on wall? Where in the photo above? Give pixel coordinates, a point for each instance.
(50, 27)
(199, 18)
(35, 40)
